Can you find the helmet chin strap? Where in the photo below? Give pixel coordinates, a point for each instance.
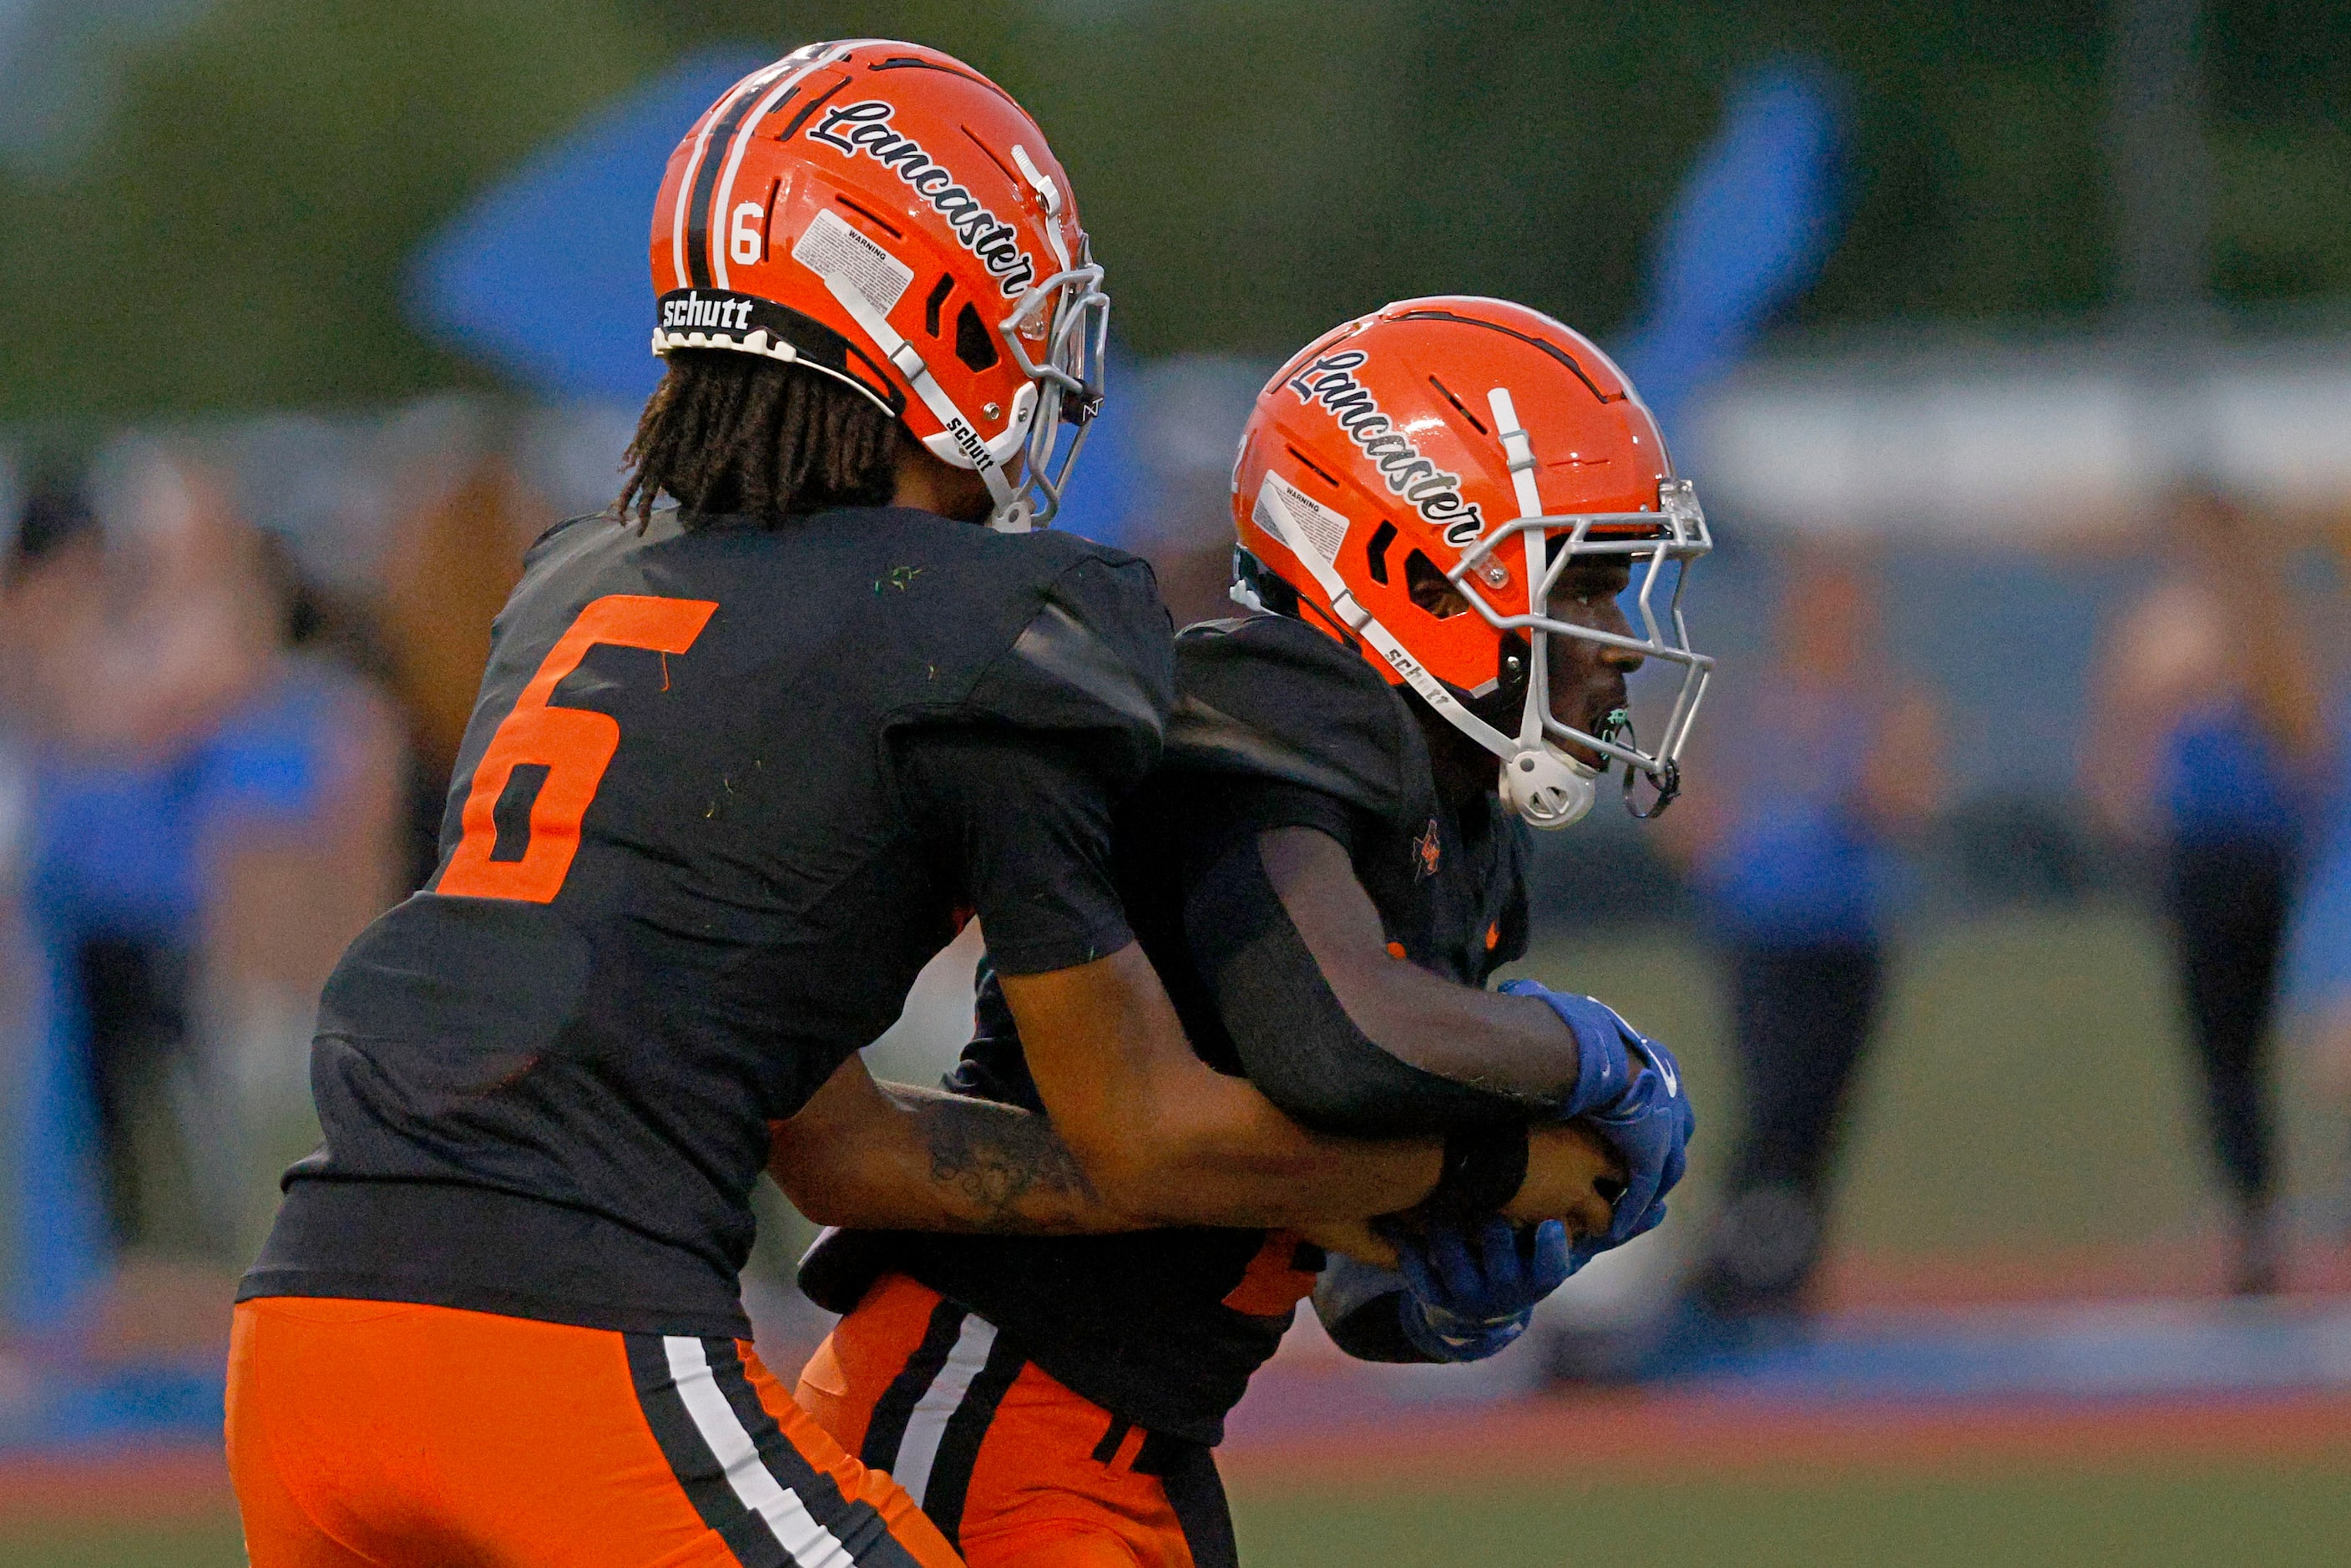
(1550, 788)
(1547, 787)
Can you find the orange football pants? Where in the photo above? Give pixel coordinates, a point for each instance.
(385, 1434)
(1011, 1465)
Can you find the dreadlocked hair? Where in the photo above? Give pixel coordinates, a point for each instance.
(735, 433)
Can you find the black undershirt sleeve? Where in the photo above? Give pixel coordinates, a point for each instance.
(1297, 1041)
(1020, 822)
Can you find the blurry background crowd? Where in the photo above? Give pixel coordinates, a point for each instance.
(2010, 346)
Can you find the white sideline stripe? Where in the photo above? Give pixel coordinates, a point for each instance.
(919, 1450)
(812, 1545)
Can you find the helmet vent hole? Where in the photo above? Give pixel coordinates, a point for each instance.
(990, 154)
(1377, 552)
(884, 224)
(1475, 423)
(973, 347)
(1312, 468)
(914, 63)
(801, 116)
(1426, 582)
(938, 297)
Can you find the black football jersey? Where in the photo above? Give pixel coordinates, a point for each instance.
(725, 791)
(1274, 725)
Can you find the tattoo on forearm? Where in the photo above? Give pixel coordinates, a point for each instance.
(1003, 1160)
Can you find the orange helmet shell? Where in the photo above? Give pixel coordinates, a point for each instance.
(886, 216)
(1475, 447)
(1383, 425)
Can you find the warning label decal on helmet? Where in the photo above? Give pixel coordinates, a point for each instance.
(1435, 495)
(865, 128)
(1325, 529)
(831, 249)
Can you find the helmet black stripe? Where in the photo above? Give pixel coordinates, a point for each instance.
(705, 183)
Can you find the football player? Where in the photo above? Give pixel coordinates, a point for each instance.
(737, 770)
(1440, 507)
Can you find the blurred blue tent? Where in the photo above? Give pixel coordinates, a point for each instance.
(545, 275)
(1747, 234)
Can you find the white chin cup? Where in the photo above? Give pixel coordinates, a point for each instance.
(1548, 787)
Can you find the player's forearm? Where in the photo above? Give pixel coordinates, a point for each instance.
(1219, 1153)
(983, 1166)
(1513, 1048)
(891, 1156)
(1203, 1149)
(1168, 1139)
(943, 1162)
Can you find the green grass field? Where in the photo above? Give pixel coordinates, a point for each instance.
(2249, 1519)
(215, 1544)
(2031, 1088)
(2254, 1520)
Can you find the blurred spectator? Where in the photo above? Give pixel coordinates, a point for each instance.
(2207, 745)
(2318, 993)
(447, 571)
(168, 736)
(1816, 767)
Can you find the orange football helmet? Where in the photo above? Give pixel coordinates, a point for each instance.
(1485, 443)
(885, 215)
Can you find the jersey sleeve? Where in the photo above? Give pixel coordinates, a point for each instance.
(1269, 697)
(1261, 805)
(1013, 786)
(1020, 823)
(1094, 665)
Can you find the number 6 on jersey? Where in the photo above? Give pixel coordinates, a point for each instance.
(573, 746)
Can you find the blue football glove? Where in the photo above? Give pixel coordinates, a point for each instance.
(1629, 1087)
(1474, 1286)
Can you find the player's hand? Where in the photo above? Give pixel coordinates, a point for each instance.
(1474, 1284)
(1629, 1090)
(1572, 1174)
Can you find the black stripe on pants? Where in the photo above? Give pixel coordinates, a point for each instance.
(958, 1454)
(1195, 1492)
(886, 1430)
(690, 1460)
(856, 1526)
(1185, 1472)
